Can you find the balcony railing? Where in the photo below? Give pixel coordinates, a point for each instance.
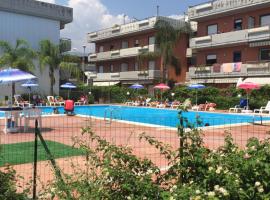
(129, 52)
(218, 7)
(234, 37)
(128, 75)
(230, 70)
(132, 27)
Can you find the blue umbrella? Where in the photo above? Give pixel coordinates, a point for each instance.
(14, 75)
(29, 84)
(196, 87)
(68, 86)
(136, 86)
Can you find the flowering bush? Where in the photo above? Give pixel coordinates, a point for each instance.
(195, 172)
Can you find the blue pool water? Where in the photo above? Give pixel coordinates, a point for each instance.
(163, 117)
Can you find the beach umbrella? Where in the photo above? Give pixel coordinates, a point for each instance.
(196, 87)
(248, 86)
(11, 75)
(68, 86)
(29, 84)
(162, 87)
(136, 86)
(240, 80)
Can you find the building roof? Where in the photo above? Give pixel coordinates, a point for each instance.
(134, 27)
(39, 9)
(219, 8)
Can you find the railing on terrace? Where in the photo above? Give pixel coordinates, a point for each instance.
(255, 68)
(233, 37)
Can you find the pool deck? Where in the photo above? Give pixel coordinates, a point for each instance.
(63, 129)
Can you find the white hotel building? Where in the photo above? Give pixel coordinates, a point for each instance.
(33, 21)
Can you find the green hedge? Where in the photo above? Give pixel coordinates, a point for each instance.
(224, 98)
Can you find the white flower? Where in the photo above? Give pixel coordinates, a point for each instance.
(128, 198)
(223, 191)
(218, 170)
(198, 192)
(216, 187)
(253, 148)
(260, 190)
(257, 184)
(211, 194)
(172, 198)
(210, 168)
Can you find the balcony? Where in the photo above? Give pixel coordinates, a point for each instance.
(122, 53)
(223, 7)
(133, 27)
(230, 38)
(125, 76)
(229, 71)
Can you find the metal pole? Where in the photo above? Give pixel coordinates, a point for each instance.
(84, 46)
(35, 162)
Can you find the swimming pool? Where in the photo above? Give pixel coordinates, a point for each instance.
(163, 117)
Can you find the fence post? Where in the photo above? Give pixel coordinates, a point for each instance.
(35, 162)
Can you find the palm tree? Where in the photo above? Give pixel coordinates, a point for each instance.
(50, 55)
(166, 39)
(19, 56)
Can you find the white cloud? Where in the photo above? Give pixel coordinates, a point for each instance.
(89, 15)
(48, 1)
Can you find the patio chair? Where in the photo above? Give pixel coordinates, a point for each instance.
(147, 102)
(175, 104)
(51, 101)
(59, 101)
(82, 101)
(265, 109)
(238, 108)
(20, 102)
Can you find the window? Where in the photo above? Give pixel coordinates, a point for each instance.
(151, 65)
(136, 43)
(124, 44)
(101, 49)
(136, 66)
(151, 40)
(265, 20)
(237, 56)
(124, 67)
(211, 59)
(212, 29)
(111, 68)
(111, 47)
(251, 22)
(265, 54)
(238, 24)
(100, 69)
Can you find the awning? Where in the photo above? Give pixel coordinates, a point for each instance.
(261, 80)
(105, 83)
(213, 81)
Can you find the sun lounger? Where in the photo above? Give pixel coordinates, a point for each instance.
(238, 108)
(50, 101)
(265, 109)
(59, 101)
(20, 102)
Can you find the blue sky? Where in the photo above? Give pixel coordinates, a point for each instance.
(144, 8)
(93, 15)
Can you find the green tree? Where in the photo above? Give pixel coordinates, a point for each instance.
(167, 37)
(70, 67)
(19, 56)
(50, 55)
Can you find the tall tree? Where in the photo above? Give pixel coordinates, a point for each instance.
(19, 56)
(51, 56)
(167, 37)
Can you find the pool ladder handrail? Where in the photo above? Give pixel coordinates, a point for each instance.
(112, 114)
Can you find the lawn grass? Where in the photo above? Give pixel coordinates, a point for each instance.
(20, 153)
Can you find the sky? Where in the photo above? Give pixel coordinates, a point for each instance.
(93, 15)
